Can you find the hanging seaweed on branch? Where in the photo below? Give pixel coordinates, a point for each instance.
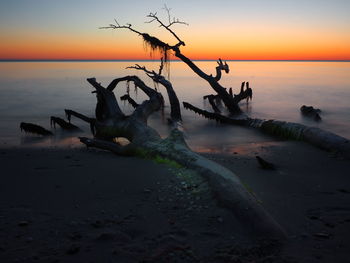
(157, 45)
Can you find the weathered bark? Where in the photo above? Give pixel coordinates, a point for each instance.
(146, 141)
(288, 130)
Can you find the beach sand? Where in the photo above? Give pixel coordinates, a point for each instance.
(85, 205)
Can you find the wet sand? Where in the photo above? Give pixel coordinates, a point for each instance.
(79, 205)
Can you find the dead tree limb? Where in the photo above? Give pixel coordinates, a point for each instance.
(63, 124)
(221, 66)
(230, 102)
(110, 122)
(288, 130)
(212, 101)
(91, 121)
(175, 111)
(127, 97)
(34, 129)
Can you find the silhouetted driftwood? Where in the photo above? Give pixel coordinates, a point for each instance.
(231, 101)
(288, 130)
(63, 124)
(311, 112)
(34, 129)
(110, 122)
(175, 111)
(213, 102)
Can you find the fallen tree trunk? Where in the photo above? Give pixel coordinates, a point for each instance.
(145, 141)
(288, 130)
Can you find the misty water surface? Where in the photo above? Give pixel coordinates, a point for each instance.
(33, 91)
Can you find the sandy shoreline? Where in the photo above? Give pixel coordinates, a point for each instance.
(78, 205)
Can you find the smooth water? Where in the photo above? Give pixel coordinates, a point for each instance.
(34, 91)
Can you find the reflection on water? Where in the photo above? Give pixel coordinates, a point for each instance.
(243, 149)
(34, 91)
(58, 140)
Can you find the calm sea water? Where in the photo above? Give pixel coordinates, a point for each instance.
(34, 91)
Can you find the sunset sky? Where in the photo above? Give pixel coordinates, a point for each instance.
(230, 29)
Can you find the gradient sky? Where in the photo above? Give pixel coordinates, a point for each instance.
(231, 29)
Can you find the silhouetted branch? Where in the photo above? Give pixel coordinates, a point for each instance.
(214, 116)
(175, 112)
(62, 123)
(211, 98)
(221, 66)
(230, 101)
(70, 113)
(107, 106)
(171, 21)
(118, 26)
(244, 93)
(127, 97)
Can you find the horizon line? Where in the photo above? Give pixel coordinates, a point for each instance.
(172, 60)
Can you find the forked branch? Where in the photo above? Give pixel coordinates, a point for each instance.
(171, 21)
(175, 112)
(221, 66)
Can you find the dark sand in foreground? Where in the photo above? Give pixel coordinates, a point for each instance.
(78, 205)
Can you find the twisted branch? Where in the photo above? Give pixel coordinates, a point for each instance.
(221, 66)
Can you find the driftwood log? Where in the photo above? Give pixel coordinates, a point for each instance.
(63, 124)
(288, 130)
(110, 122)
(34, 129)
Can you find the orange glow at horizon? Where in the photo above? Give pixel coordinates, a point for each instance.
(274, 44)
(232, 30)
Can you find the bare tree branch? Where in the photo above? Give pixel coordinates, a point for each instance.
(175, 112)
(118, 26)
(221, 66)
(230, 101)
(171, 21)
(211, 98)
(244, 93)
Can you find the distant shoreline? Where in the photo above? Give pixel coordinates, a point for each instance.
(153, 60)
